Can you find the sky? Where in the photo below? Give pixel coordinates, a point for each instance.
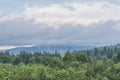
(59, 22)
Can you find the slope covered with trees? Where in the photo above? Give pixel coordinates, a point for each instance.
(95, 64)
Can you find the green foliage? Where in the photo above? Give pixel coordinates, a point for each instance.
(95, 64)
(118, 57)
(67, 57)
(83, 57)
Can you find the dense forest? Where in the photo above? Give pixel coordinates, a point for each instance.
(96, 64)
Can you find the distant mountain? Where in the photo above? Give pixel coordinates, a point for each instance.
(51, 49)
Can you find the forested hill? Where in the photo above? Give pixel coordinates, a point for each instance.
(110, 52)
(49, 48)
(95, 64)
(106, 51)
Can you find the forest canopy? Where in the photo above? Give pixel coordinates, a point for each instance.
(95, 64)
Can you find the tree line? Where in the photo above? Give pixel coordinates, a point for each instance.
(95, 64)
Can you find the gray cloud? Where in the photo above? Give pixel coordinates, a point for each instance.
(25, 32)
(59, 22)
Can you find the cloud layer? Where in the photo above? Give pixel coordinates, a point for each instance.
(72, 13)
(69, 23)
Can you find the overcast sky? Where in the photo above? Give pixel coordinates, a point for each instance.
(61, 22)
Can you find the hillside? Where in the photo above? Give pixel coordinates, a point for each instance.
(94, 64)
(50, 49)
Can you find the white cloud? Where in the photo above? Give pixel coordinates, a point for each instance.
(10, 47)
(56, 15)
(68, 23)
(75, 13)
(10, 17)
(6, 47)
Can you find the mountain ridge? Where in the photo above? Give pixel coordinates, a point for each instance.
(48, 48)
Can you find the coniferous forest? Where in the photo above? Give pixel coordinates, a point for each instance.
(95, 64)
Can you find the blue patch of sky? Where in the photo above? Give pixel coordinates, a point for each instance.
(10, 6)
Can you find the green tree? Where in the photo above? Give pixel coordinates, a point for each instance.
(67, 57)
